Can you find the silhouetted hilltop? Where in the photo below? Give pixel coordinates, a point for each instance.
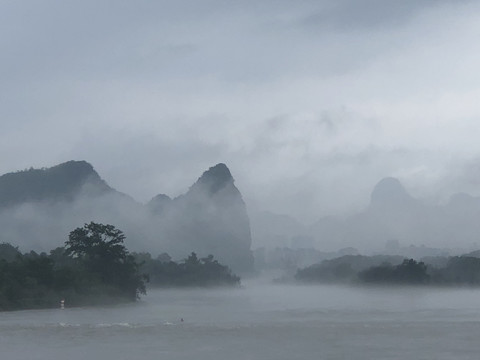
(213, 180)
(210, 218)
(61, 182)
(389, 192)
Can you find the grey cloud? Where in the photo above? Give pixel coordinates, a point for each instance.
(100, 39)
(168, 88)
(351, 15)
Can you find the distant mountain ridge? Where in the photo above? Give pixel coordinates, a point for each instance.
(392, 216)
(40, 206)
(63, 181)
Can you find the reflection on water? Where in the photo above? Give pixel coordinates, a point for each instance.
(258, 321)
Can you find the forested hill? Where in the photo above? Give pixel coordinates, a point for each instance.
(39, 206)
(61, 182)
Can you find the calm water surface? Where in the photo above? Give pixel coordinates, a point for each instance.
(259, 321)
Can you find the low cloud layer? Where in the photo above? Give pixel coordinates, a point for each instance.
(309, 104)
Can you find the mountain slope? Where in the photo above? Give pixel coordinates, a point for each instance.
(61, 182)
(210, 218)
(39, 207)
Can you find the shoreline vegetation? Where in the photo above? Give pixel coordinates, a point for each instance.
(394, 270)
(95, 268)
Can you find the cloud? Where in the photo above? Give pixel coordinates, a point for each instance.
(309, 104)
(369, 15)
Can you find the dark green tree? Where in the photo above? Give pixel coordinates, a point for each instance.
(411, 272)
(96, 241)
(100, 249)
(8, 252)
(408, 272)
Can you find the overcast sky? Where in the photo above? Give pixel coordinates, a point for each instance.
(309, 103)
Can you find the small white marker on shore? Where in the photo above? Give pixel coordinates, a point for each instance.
(62, 304)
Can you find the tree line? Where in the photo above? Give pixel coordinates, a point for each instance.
(94, 267)
(192, 271)
(457, 270)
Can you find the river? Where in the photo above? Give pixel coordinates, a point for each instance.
(258, 321)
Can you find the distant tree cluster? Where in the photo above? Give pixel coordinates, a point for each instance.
(459, 270)
(463, 270)
(408, 272)
(203, 272)
(344, 269)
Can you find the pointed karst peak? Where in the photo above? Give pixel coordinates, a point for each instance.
(389, 191)
(219, 172)
(215, 178)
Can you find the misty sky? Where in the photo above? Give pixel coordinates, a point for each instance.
(309, 103)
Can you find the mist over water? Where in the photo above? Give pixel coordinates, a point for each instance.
(258, 321)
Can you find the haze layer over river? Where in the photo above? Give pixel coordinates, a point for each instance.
(258, 321)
